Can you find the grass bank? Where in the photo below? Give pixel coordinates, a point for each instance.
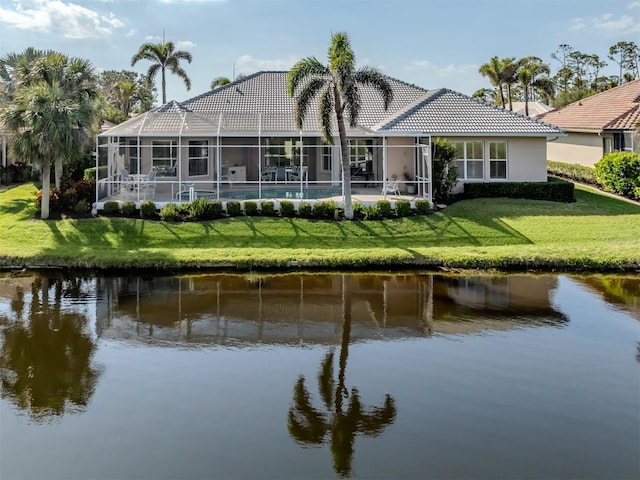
(596, 233)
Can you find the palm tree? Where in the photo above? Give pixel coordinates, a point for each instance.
(309, 425)
(509, 77)
(494, 70)
(124, 92)
(164, 56)
(52, 111)
(336, 87)
(219, 82)
(530, 68)
(46, 363)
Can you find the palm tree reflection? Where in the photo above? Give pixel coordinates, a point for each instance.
(309, 425)
(45, 360)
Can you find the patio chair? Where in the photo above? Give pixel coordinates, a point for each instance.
(148, 186)
(266, 176)
(127, 186)
(281, 174)
(391, 188)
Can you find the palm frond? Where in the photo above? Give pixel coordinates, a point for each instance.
(304, 98)
(302, 71)
(326, 383)
(375, 78)
(325, 114)
(352, 103)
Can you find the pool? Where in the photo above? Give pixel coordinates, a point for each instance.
(284, 192)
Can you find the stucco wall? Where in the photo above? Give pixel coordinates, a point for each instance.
(580, 148)
(401, 153)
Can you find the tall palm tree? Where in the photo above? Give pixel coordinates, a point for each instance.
(164, 56)
(53, 109)
(309, 425)
(509, 77)
(219, 82)
(529, 71)
(336, 87)
(494, 71)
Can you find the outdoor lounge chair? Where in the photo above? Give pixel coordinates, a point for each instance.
(391, 188)
(281, 174)
(148, 186)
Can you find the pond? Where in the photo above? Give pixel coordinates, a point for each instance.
(411, 375)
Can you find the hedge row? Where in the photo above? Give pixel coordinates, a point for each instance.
(575, 172)
(555, 190)
(203, 209)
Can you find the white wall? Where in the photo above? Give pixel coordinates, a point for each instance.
(576, 148)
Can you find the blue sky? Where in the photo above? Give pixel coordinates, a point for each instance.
(431, 43)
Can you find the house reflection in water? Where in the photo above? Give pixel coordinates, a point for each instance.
(308, 308)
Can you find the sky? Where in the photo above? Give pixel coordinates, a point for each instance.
(430, 43)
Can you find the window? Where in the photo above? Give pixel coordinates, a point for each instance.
(498, 160)
(469, 160)
(164, 154)
(361, 156)
(326, 159)
(283, 152)
(198, 157)
(134, 158)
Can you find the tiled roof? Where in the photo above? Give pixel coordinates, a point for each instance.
(260, 103)
(617, 109)
(444, 112)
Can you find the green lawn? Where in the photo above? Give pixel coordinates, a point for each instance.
(594, 233)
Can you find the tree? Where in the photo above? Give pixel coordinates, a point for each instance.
(13, 66)
(487, 95)
(219, 82)
(309, 425)
(529, 70)
(52, 112)
(164, 56)
(564, 74)
(141, 101)
(627, 56)
(509, 77)
(46, 363)
(124, 93)
(494, 71)
(336, 87)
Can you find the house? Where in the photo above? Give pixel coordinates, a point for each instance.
(596, 125)
(535, 108)
(240, 142)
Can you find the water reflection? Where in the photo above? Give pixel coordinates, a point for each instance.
(295, 309)
(309, 425)
(46, 357)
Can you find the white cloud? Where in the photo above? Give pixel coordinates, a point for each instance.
(192, 1)
(441, 71)
(184, 44)
(608, 24)
(247, 64)
(634, 5)
(64, 18)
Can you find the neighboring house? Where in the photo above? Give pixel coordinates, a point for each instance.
(535, 108)
(596, 125)
(240, 141)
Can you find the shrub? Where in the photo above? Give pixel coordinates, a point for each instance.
(575, 172)
(234, 209)
(358, 210)
(444, 170)
(213, 209)
(69, 198)
(82, 207)
(422, 206)
(170, 212)
(267, 208)
(403, 208)
(90, 173)
(147, 209)
(384, 207)
(54, 199)
(250, 208)
(111, 208)
(619, 173)
(555, 190)
(287, 208)
(372, 212)
(325, 210)
(305, 210)
(128, 209)
(198, 209)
